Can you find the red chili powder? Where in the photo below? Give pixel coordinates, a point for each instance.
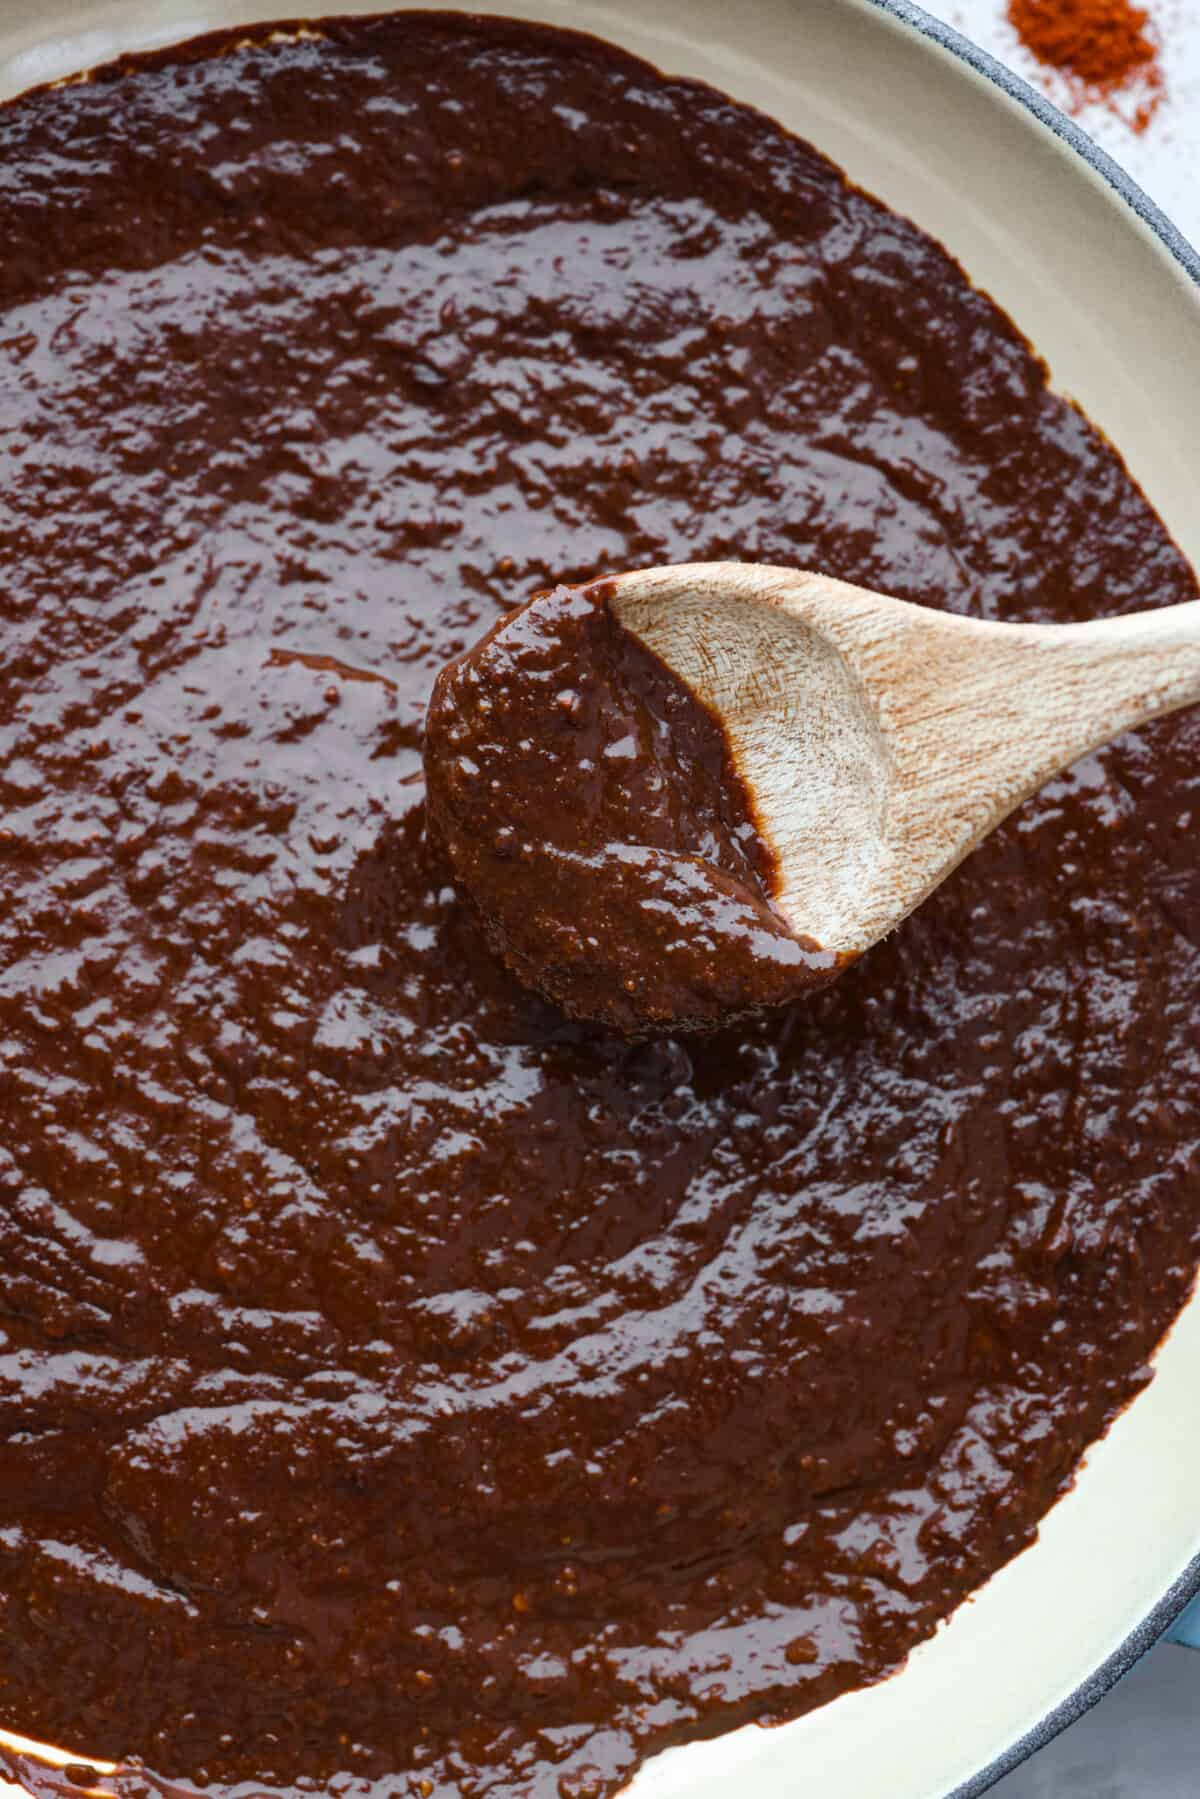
(1099, 45)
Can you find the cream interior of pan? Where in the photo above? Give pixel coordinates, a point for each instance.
(1118, 321)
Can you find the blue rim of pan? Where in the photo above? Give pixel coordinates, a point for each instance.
(1187, 1586)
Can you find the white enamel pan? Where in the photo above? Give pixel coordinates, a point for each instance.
(1110, 294)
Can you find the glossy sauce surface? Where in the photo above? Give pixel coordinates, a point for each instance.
(403, 1388)
(592, 812)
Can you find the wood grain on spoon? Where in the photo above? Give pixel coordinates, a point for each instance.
(880, 741)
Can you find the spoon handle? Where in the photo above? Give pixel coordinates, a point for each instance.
(976, 715)
(1112, 674)
(1078, 686)
(989, 712)
(993, 710)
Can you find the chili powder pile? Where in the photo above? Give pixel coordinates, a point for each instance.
(1101, 46)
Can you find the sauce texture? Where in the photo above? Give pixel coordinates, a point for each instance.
(403, 1388)
(592, 812)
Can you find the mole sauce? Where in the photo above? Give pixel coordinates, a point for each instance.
(592, 811)
(404, 1388)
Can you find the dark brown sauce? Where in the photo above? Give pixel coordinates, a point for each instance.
(401, 1385)
(592, 812)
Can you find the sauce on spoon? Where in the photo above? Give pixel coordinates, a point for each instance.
(592, 811)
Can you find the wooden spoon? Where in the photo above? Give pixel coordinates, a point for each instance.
(880, 741)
